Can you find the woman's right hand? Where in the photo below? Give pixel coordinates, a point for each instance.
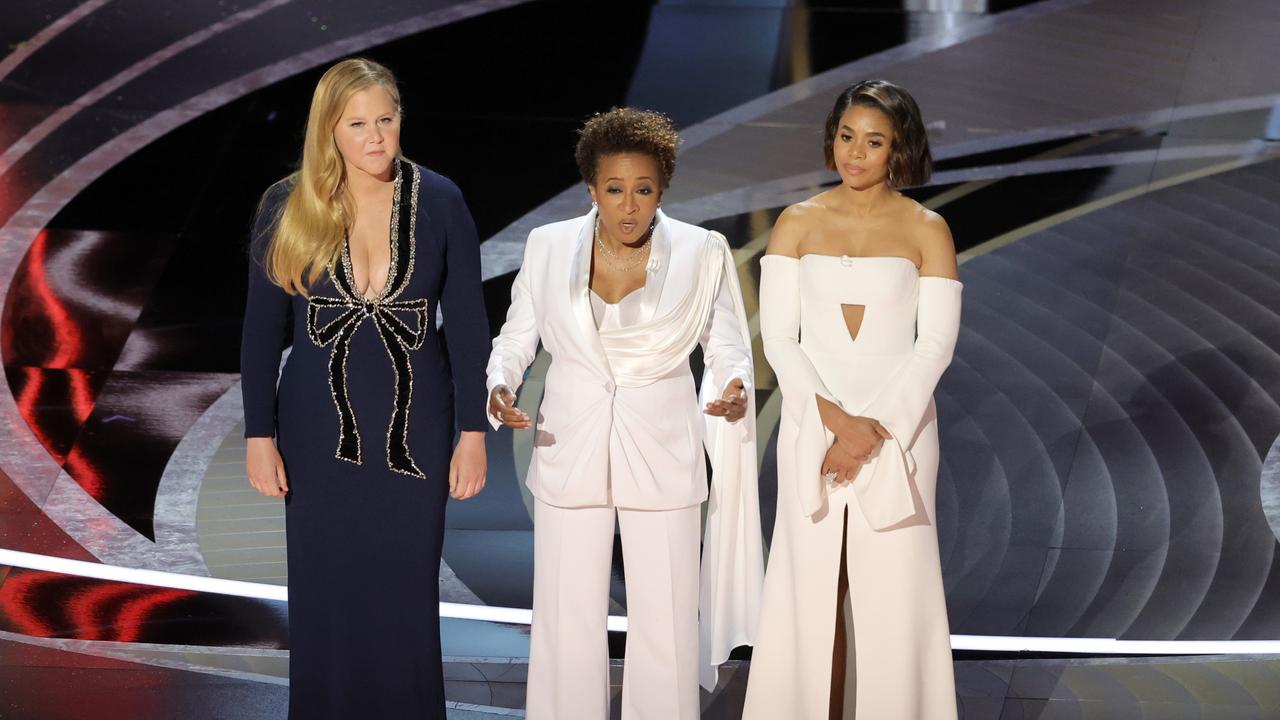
(265, 468)
(502, 405)
(858, 436)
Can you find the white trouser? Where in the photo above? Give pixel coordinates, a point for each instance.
(569, 653)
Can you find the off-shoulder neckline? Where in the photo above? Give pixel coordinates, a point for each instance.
(847, 258)
(842, 258)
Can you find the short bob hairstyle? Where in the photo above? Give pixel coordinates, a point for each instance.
(910, 162)
(627, 130)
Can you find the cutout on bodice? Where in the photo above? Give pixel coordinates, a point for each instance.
(853, 318)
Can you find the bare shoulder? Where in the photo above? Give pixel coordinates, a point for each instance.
(930, 227)
(933, 237)
(793, 226)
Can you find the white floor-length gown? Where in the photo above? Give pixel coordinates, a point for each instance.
(899, 658)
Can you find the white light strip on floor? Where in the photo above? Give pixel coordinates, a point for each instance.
(158, 578)
(1109, 646)
(518, 616)
(240, 588)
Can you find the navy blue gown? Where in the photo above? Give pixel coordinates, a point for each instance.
(364, 418)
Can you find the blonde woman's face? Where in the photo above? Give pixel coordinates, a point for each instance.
(368, 133)
(627, 192)
(862, 147)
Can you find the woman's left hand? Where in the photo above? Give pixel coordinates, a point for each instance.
(731, 406)
(468, 466)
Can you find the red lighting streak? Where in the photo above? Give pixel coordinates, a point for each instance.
(101, 610)
(82, 470)
(133, 615)
(85, 608)
(17, 602)
(32, 384)
(67, 341)
(66, 349)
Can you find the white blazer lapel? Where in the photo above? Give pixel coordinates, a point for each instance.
(656, 270)
(579, 298)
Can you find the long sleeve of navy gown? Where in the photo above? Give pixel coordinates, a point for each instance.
(267, 326)
(466, 325)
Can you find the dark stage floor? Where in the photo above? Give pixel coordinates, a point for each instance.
(1109, 499)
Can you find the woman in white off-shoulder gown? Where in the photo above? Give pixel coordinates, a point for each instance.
(859, 312)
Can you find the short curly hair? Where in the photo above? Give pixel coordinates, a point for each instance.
(627, 130)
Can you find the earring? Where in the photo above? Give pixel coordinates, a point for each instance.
(593, 203)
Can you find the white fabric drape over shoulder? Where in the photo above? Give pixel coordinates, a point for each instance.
(732, 556)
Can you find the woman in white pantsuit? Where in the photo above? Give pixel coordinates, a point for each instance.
(859, 312)
(619, 298)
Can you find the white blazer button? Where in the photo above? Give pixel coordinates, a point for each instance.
(608, 387)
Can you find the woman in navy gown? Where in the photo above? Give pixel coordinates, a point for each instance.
(351, 258)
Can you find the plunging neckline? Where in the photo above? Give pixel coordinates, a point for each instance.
(393, 236)
(351, 267)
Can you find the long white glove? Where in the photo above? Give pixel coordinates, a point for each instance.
(886, 497)
(798, 378)
(902, 402)
(780, 333)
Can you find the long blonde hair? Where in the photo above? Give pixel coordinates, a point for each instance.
(312, 222)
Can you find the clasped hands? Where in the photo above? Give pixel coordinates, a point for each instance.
(731, 406)
(857, 438)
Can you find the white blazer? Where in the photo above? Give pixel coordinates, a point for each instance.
(620, 423)
(598, 441)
